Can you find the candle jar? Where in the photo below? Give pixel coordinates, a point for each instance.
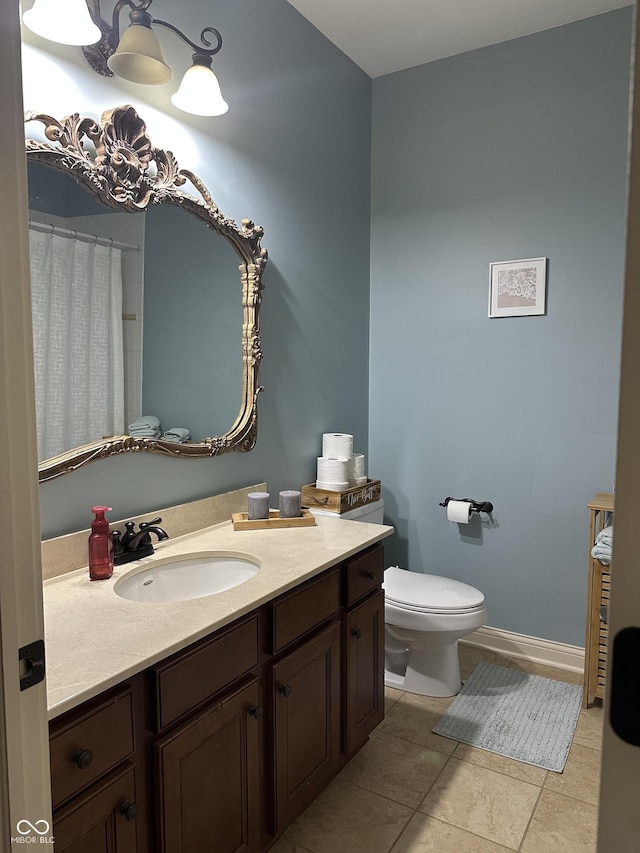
(258, 505)
(290, 504)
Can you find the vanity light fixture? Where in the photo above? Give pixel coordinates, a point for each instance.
(137, 55)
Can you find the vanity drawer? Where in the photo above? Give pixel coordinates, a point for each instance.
(302, 609)
(364, 573)
(191, 677)
(98, 817)
(88, 746)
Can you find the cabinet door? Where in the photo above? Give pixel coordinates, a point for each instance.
(306, 710)
(364, 676)
(102, 820)
(208, 778)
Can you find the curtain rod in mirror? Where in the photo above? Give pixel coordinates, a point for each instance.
(137, 55)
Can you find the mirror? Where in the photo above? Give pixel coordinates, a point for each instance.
(187, 349)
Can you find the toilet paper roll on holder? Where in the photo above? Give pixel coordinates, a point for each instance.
(476, 506)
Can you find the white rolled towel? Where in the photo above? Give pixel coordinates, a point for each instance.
(177, 434)
(602, 553)
(605, 537)
(146, 422)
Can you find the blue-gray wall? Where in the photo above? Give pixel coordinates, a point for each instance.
(56, 193)
(192, 333)
(293, 154)
(513, 151)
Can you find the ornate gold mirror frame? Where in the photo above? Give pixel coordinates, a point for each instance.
(120, 175)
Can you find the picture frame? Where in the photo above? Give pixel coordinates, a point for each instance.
(517, 288)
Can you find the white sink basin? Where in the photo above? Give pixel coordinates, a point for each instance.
(191, 576)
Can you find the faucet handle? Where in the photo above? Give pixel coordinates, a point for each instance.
(145, 524)
(117, 543)
(128, 533)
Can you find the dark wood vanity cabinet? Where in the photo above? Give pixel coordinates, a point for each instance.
(93, 776)
(206, 706)
(306, 706)
(101, 820)
(221, 746)
(364, 671)
(208, 778)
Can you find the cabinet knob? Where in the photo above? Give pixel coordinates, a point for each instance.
(357, 633)
(256, 711)
(129, 810)
(82, 758)
(370, 575)
(285, 689)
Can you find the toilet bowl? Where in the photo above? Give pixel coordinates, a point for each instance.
(425, 616)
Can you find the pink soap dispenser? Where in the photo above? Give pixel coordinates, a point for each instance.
(100, 546)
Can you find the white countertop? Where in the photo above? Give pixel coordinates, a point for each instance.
(94, 638)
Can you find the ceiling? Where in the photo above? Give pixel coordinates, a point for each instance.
(382, 36)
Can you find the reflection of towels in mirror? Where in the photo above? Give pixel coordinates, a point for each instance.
(177, 434)
(145, 422)
(147, 426)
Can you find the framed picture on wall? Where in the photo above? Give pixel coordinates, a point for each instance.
(517, 288)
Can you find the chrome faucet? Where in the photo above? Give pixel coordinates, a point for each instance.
(133, 545)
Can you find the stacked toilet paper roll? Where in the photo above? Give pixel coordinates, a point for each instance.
(339, 467)
(357, 476)
(337, 445)
(333, 474)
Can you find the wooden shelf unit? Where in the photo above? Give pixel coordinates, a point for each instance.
(595, 652)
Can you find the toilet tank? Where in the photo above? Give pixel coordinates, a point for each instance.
(372, 513)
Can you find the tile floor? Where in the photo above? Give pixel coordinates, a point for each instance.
(411, 791)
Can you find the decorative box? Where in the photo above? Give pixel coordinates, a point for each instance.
(340, 502)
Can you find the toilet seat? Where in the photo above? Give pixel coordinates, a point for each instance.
(420, 593)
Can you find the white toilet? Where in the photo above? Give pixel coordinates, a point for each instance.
(425, 616)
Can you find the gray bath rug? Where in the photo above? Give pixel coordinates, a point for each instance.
(521, 716)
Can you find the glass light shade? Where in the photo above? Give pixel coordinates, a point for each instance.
(63, 21)
(199, 93)
(139, 57)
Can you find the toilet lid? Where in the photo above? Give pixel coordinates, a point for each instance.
(429, 593)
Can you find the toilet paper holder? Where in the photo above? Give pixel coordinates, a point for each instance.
(476, 506)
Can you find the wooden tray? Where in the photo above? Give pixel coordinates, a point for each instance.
(242, 522)
(340, 502)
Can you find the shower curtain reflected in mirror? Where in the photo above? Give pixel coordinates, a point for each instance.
(78, 348)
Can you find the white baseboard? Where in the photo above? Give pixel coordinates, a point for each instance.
(523, 647)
